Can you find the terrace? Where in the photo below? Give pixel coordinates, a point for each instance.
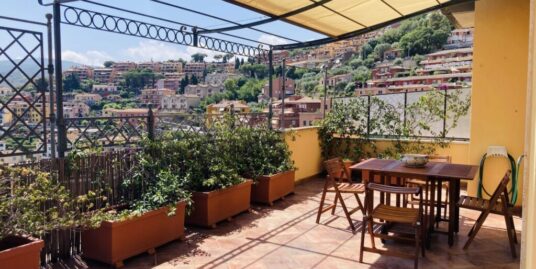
(286, 235)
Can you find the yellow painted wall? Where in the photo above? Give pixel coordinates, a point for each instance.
(306, 151)
(499, 83)
(528, 240)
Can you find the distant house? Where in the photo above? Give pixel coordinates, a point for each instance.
(203, 90)
(228, 106)
(180, 103)
(104, 89)
(87, 98)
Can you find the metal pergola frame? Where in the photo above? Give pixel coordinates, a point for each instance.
(187, 35)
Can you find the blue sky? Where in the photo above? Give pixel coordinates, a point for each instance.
(92, 47)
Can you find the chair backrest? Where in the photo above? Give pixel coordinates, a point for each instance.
(440, 158)
(394, 189)
(502, 188)
(336, 170)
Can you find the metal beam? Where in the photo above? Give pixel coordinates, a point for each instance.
(121, 25)
(166, 20)
(270, 19)
(221, 19)
(327, 40)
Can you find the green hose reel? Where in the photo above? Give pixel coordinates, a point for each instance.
(515, 166)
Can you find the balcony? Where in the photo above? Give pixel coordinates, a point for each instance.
(285, 235)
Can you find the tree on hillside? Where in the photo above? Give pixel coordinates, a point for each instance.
(198, 57)
(380, 49)
(194, 80)
(108, 64)
(136, 80)
(70, 83)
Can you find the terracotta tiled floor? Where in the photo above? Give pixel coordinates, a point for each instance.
(286, 236)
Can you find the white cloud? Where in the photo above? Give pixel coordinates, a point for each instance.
(92, 57)
(270, 39)
(159, 51)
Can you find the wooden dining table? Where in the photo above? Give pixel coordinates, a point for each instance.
(393, 171)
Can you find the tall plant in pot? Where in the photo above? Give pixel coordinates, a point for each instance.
(264, 156)
(154, 201)
(32, 204)
(206, 161)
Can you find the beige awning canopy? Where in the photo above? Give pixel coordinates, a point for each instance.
(336, 18)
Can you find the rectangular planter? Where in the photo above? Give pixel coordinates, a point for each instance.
(116, 241)
(212, 207)
(20, 252)
(267, 189)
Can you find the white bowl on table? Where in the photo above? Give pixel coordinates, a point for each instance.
(415, 160)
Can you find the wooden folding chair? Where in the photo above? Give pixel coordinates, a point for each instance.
(338, 181)
(499, 203)
(405, 224)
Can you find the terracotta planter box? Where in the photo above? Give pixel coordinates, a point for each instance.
(212, 207)
(20, 252)
(267, 189)
(114, 242)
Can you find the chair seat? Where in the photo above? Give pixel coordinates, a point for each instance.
(479, 204)
(396, 214)
(349, 188)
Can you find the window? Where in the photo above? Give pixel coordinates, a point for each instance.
(304, 123)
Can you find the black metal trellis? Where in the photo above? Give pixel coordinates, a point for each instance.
(121, 25)
(23, 120)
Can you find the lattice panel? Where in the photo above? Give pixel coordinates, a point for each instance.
(105, 131)
(22, 89)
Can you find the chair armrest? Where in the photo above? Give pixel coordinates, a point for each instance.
(394, 189)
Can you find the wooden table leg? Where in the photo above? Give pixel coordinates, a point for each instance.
(452, 210)
(439, 200)
(455, 200)
(432, 204)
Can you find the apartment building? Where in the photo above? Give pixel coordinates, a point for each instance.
(196, 69)
(460, 38)
(298, 111)
(455, 60)
(87, 98)
(228, 106)
(124, 66)
(168, 83)
(153, 66)
(155, 96)
(277, 88)
(104, 89)
(180, 103)
(203, 90)
(102, 75)
(75, 110)
(171, 67)
(81, 72)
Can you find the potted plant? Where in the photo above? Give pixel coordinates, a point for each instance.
(207, 159)
(263, 155)
(31, 205)
(152, 212)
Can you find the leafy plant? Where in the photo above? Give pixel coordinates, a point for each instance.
(261, 151)
(349, 132)
(154, 181)
(35, 203)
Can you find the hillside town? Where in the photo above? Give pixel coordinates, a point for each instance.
(377, 63)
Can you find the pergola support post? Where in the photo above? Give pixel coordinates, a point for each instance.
(270, 86)
(60, 123)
